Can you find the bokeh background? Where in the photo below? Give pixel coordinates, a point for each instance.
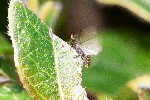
(123, 27)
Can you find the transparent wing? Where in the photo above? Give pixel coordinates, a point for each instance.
(88, 41)
(91, 47)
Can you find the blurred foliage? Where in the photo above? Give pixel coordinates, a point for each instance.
(13, 92)
(139, 7)
(6, 48)
(42, 1)
(125, 93)
(125, 56)
(131, 91)
(145, 94)
(7, 65)
(50, 11)
(33, 5)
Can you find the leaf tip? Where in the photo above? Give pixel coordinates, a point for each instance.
(10, 15)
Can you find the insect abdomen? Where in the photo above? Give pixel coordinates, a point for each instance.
(87, 61)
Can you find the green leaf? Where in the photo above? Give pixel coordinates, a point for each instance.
(5, 46)
(7, 65)
(125, 93)
(3, 77)
(47, 66)
(136, 89)
(13, 92)
(42, 1)
(140, 8)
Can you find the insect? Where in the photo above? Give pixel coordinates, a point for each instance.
(86, 58)
(88, 44)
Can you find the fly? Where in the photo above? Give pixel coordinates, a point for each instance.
(85, 58)
(88, 44)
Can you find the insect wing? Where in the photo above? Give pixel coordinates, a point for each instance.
(88, 41)
(91, 47)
